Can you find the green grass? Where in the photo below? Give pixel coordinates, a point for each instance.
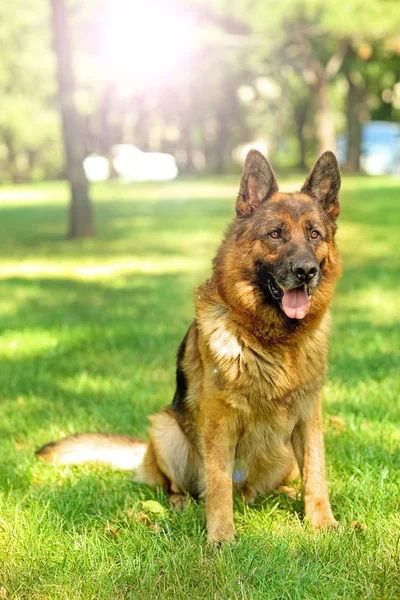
(89, 331)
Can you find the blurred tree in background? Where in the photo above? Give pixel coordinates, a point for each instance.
(293, 73)
(29, 129)
(81, 224)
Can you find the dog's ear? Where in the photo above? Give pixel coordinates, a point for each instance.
(323, 184)
(257, 184)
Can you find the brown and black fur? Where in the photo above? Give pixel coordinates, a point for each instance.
(247, 406)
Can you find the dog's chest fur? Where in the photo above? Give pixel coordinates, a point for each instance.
(265, 372)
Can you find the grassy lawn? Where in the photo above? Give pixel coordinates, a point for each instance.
(89, 331)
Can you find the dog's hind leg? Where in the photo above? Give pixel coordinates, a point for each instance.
(292, 474)
(170, 460)
(149, 472)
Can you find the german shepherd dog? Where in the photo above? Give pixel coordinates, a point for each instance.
(247, 408)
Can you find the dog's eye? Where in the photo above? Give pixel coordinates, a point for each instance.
(274, 234)
(315, 234)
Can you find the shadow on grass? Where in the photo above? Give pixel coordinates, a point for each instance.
(354, 357)
(117, 331)
(123, 227)
(99, 357)
(98, 495)
(52, 302)
(90, 494)
(360, 205)
(112, 318)
(128, 225)
(373, 272)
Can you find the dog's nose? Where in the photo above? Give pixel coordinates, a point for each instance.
(305, 271)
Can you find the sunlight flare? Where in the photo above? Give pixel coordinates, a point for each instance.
(143, 44)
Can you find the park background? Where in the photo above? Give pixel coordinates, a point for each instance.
(97, 283)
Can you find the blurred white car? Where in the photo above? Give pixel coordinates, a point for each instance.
(131, 164)
(96, 168)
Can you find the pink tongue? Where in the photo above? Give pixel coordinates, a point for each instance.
(295, 303)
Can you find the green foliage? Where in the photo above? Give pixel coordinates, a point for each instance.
(29, 123)
(89, 333)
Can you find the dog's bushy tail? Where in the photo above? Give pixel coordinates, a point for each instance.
(120, 452)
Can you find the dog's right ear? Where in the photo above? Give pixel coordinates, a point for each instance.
(257, 184)
(323, 184)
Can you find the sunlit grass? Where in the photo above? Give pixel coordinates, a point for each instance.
(89, 331)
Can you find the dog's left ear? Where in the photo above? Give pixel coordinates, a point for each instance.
(257, 184)
(323, 184)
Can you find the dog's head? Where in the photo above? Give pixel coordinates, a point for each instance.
(280, 251)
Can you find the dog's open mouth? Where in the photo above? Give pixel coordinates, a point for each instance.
(295, 302)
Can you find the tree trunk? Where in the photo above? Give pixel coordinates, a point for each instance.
(105, 142)
(300, 117)
(221, 143)
(324, 128)
(187, 143)
(225, 117)
(11, 156)
(81, 224)
(354, 126)
(143, 124)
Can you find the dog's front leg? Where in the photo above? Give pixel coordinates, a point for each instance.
(308, 446)
(218, 451)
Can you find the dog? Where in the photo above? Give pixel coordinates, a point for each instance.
(247, 408)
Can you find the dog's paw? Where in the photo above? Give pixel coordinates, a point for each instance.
(324, 524)
(322, 520)
(319, 514)
(289, 491)
(178, 502)
(221, 534)
(249, 495)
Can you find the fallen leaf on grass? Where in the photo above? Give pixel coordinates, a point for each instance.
(3, 592)
(114, 531)
(154, 507)
(143, 518)
(358, 525)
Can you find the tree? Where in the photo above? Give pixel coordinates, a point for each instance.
(326, 40)
(30, 147)
(314, 38)
(81, 224)
(371, 71)
(355, 109)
